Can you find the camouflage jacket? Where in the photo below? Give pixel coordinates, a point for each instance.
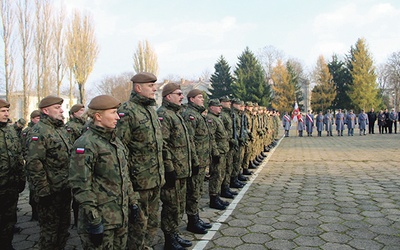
(47, 159)
(226, 116)
(24, 136)
(99, 178)
(199, 133)
(75, 128)
(11, 161)
(177, 146)
(219, 134)
(140, 130)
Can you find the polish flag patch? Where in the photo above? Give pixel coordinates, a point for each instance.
(68, 129)
(191, 117)
(80, 150)
(121, 114)
(161, 119)
(35, 138)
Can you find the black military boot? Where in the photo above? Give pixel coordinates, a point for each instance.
(242, 178)
(226, 194)
(263, 154)
(225, 203)
(215, 203)
(247, 172)
(171, 243)
(232, 192)
(257, 163)
(202, 223)
(194, 226)
(236, 184)
(183, 242)
(251, 165)
(259, 158)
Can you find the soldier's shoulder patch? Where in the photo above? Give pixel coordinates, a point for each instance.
(191, 117)
(209, 120)
(121, 114)
(80, 150)
(34, 138)
(160, 118)
(68, 129)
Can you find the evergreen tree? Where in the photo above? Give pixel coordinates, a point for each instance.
(342, 81)
(323, 93)
(250, 84)
(221, 80)
(364, 90)
(283, 89)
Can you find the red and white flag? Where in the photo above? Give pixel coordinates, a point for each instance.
(295, 112)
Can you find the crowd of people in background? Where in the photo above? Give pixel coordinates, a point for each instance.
(386, 121)
(115, 162)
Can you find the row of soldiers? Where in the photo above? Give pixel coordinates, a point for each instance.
(127, 158)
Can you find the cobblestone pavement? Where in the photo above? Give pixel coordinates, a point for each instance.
(310, 193)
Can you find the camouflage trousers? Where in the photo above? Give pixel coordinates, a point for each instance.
(217, 175)
(8, 217)
(54, 221)
(173, 206)
(113, 239)
(193, 194)
(247, 155)
(228, 168)
(237, 161)
(142, 232)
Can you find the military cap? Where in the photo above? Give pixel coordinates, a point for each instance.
(236, 101)
(255, 104)
(4, 104)
(22, 121)
(76, 108)
(214, 102)
(50, 100)
(144, 77)
(194, 92)
(249, 104)
(35, 113)
(224, 99)
(169, 88)
(103, 102)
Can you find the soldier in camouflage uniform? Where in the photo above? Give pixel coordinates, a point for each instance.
(220, 142)
(200, 135)
(140, 130)
(47, 164)
(75, 125)
(12, 177)
(100, 182)
(177, 155)
(18, 126)
(226, 116)
(237, 111)
(35, 118)
(248, 147)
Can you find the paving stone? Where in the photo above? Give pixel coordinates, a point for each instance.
(311, 241)
(365, 244)
(335, 237)
(280, 244)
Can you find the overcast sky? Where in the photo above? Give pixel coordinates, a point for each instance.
(189, 36)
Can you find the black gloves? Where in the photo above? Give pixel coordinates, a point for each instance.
(170, 178)
(133, 213)
(21, 186)
(96, 234)
(195, 170)
(46, 200)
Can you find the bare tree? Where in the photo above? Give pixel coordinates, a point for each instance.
(82, 50)
(145, 58)
(25, 28)
(59, 47)
(119, 86)
(8, 21)
(269, 56)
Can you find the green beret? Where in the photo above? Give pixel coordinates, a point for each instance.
(214, 102)
(144, 77)
(224, 99)
(103, 102)
(249, 104)
(169, 88)
(4, 104)
(194, 92)
(35, 113)
(50, 100)
(21, 121)
(76, 108)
